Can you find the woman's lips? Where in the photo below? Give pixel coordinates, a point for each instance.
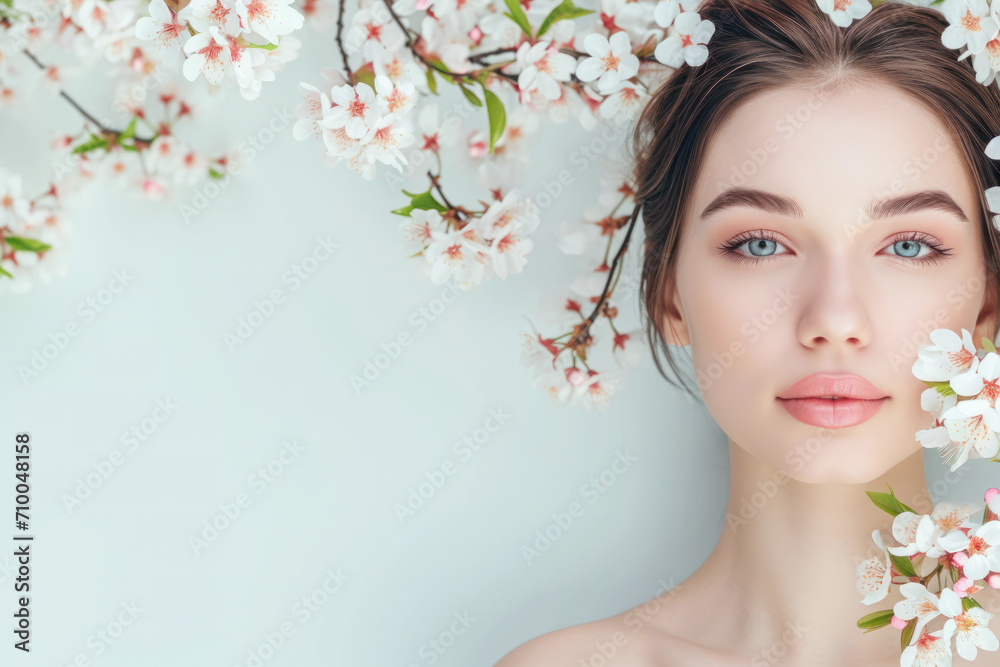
(830, 412)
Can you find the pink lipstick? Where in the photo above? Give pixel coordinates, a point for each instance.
(832, 400)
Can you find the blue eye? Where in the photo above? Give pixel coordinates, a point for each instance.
(908, 248)
(762, 245)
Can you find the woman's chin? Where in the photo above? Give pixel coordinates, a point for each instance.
(852, 461)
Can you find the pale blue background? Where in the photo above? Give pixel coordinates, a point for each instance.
(333, 506)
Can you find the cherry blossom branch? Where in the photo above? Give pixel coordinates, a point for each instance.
(458, 210)
(340, 42)
(581, 333)
(106, 131)
(69, 99)
(411, 46)
(478, 58)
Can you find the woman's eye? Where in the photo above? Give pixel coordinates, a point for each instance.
(909, 248)
(762, 247)
(752, 248)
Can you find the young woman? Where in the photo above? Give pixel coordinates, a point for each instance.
(813, 205)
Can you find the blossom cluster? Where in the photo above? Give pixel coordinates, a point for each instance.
(945, 544)
(588, 310)
(29, 228)
(245, 41)
(961, 394)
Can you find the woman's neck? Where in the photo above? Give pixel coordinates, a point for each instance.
(785, 563)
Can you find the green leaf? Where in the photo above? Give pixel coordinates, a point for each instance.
(875, 620)
(968, 603)
(93, 144)
(498, 116)
(421, 200)
(907, 634)
(988, 345)
(129, 131)
(564, 10)
(431, 81)
(518, 16)
(27, 245)
(906, 508)
(943, 388)
(885, 502)
(471, 96)
(269, 47)
(366, 75)
(214, 173)
(903, 565)
(3, 272)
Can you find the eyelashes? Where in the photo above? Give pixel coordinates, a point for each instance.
(730, 249)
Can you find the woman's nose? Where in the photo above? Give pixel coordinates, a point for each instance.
(833, 310)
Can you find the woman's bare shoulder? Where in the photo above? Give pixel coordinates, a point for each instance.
(640, 637)
(595, 643)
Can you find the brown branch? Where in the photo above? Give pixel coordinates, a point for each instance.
(69, 99)
(410, 45)
(584, 327)
(457, 209)
(478, 58)
(340, 41)
(108, 133)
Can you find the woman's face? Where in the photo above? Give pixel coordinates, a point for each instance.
(814, 281)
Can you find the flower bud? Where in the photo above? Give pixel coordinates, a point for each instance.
(575, 376)
(897, 622)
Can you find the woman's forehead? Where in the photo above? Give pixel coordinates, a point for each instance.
(846, 146)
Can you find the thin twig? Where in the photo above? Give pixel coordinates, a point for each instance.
(69, 99)
(340, 41)
(611, 272)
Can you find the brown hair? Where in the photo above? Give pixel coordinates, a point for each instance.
(759, 46)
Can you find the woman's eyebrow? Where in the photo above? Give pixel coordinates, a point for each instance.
(884, 208)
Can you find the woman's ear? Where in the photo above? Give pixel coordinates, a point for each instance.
(674, 325)
(989, 318)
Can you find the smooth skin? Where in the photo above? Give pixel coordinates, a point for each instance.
(831, 291)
